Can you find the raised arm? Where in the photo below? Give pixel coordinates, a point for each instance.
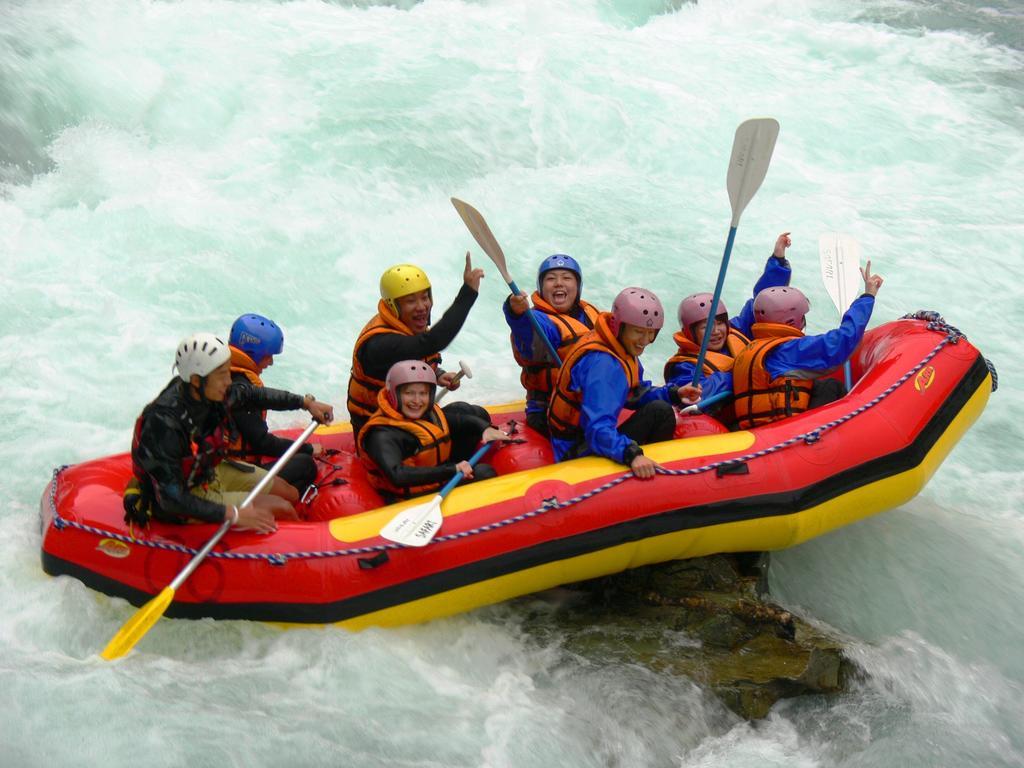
(382, 351)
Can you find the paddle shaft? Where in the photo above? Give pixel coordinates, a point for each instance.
(537, 326)
(263, 483)
(837, 254)
(455, 380)
(448, 389)
(842, 305)
(457, 477)
(709, 326)
(477, 226)
(752, 149)
(149, 614)
(701, 405)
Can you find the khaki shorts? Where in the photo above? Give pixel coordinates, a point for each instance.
(230, 485)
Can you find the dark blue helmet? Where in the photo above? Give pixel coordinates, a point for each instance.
(256, 336)
(561, 261)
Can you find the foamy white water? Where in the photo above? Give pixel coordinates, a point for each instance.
(165, 167)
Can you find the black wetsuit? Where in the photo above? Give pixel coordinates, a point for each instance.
(390, 446)
(382, 351)
(170, 424)
(257, 439)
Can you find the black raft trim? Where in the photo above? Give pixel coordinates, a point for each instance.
(768, 505)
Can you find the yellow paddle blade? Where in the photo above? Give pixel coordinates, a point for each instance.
(138, 625)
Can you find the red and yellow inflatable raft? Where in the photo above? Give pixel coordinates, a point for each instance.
(919, 387)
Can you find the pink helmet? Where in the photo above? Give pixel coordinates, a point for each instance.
(637, 306)
(781, 305)
(694, 309)
(409, 372)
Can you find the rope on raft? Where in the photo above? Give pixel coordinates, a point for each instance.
(935, 323)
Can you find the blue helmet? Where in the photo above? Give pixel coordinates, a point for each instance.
(561, 261)
(257, 336)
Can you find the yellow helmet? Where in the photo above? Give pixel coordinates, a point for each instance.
(402, 280)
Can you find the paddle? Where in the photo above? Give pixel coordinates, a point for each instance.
(463, 371)
(482, 234)
(416, 526)
(839, 256)
(751, 153)
(701, 406)
(148, 615)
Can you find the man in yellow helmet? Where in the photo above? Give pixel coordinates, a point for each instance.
(401, 330)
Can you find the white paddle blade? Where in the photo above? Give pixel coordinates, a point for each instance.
(478, 228)
(416, 526)
(839, 256)
(465, 369)
(751, 153)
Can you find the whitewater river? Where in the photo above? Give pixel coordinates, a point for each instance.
(167, 166)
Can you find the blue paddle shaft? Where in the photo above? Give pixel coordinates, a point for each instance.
(457, 477)
(713, 310)
(708, 401)
(536, 325)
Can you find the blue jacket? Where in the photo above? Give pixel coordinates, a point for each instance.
(531, 347)
(777, 272)
(809, 357)
(599, 376)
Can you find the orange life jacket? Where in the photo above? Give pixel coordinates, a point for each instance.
(714, 362)
(363, 388)
(760, 399)
(431, 431)
(538, 376)
(566, 403)
(242, 363)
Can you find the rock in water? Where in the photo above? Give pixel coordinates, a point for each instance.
(708, 619)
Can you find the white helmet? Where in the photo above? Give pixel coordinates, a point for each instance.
(200, 354)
